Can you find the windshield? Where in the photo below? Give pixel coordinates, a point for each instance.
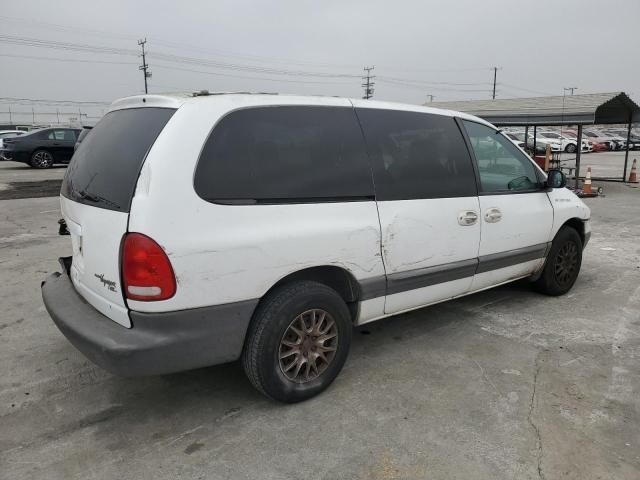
(104, 170)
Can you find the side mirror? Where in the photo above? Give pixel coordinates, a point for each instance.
(556, 179)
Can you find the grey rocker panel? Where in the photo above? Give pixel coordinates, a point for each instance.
(425, 277)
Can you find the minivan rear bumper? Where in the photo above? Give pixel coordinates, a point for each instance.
(157, 343)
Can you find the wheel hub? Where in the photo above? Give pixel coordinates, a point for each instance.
(308, 346)
(566, 263)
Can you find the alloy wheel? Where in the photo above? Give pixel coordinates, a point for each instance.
(308, 346)
(566, 264)
(43, 159)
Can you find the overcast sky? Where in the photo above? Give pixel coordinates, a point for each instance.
(419, 48)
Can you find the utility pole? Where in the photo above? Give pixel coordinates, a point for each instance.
(431, 97)
(10, 116)
(144, 67)
(368, 83)
(495, 76)
(566, 89)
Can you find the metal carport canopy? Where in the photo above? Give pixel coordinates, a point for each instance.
(595, 108)
(589, 109)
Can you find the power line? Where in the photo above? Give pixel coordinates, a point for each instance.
(218, 74)
(368, 83)
(248, 68)
(173, 45)
(441, 88)
(78, 47)
(67, 28)
(427, 82)
(515, 87)
(72, 60)
(31, 42)
(245, 68)
(222, 53)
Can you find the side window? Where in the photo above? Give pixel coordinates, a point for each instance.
(57, 135)
(502, 166)
(70, 136)
(285, 154)
(417, 155)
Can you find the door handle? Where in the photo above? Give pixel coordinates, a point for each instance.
(493, 215)
(467, 218)
(56, 144)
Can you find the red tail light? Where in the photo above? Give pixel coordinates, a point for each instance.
(146, 271)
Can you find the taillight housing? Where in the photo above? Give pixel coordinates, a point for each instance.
(145, 268)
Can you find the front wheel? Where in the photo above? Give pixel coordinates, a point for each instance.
(563, 263)
(571, 148)
(41, 159)
(297, 342)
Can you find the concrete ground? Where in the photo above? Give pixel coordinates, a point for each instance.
(504, 384)
(603, 164)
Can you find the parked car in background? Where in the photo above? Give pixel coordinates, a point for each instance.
(83, 133)
(601, 147)
(560, 142)
(613, 142)
(514, 137)
(41, 148)
(634, 140)
(8, 134)
(554, 144)
(587, 146)
(518, 138)
(287, 221)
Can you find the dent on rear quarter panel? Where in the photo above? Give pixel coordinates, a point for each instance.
(240, 252)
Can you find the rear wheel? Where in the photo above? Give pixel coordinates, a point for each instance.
(41, 159)
(298, 341)
(563, 263)
(570, 148)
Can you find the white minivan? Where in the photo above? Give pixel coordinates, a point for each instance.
(211, 227)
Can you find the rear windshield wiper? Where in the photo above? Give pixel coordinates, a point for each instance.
(95, 198)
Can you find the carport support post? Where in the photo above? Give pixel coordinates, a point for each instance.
(626, 153)
(526, 138)
(535, 132)
(578, 154)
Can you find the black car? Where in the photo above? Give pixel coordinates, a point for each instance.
(42, 148)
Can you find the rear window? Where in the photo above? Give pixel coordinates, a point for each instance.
(105, 167)
(289, 154)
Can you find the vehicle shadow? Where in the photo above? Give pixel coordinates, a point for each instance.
(210, 397)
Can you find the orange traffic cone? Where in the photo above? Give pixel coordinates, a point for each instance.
(633, 176)
(586, 187)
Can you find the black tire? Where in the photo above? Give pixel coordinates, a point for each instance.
(563, 263)
(41, 159)
(570, 148)
(271, 323)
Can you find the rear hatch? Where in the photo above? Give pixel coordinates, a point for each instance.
(96, 196)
